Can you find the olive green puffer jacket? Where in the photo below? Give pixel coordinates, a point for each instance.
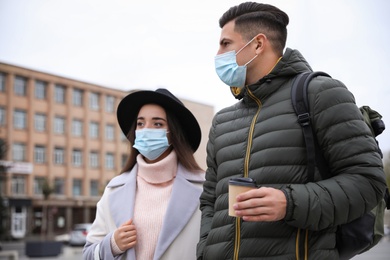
(260, 137)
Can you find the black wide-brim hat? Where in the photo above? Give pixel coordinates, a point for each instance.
(130, 105)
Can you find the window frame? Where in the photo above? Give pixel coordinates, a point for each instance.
(77, 157)
(60, 94)
(77, 97)
(40, 121)
(39, 154)
(94, 159)
(77, 127)
(94, 98)
(40, 91)
(20, 118)
(110, 161)
(59, 156)
(18, 185)
(20, 86)
(19, 152)
(59, 125)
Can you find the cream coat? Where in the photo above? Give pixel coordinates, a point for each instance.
(181, 225)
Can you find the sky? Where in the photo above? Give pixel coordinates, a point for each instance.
(127, 44)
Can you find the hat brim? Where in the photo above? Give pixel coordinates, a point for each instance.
(130, 105)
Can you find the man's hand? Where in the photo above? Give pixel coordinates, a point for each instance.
(263, 204)
(126, 236)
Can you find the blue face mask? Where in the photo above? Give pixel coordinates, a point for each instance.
(151, 143)
(229, 71)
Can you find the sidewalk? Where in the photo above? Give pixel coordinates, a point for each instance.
(379, 252)
(68, 252)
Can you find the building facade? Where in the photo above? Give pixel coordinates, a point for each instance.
(62, 138)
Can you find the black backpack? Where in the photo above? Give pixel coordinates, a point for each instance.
(365, 232)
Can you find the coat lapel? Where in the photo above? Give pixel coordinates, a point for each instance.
(182, 205)
(122, 200)
(122, 196)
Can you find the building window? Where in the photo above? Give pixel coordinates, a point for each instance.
(110, 104)
(77, 187)
(40, 122)
(77, 127)
(94, 188)
(110, 161)
(18, 185)
(59, 155)
(77, 158)
(3, 116)
(2, 82)
(124, 160)
(94, 101)
(59, 186)
(78, 97)
(38, 185)
(20, 119)
(110, 132)
(20, 86)
(59, 94)
(94, 159)
(94, 130)
(40, 89)
(19, 152)
(123, 137)
(59, 125)
(39, 154)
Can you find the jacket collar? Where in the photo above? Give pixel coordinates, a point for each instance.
(291, 64)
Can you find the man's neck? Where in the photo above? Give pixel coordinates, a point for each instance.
(263, 67)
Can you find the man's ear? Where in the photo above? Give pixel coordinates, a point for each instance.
(260, 40)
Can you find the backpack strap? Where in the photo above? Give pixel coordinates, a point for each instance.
(300, 102)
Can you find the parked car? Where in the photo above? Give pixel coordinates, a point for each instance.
(64, 238)
(78, 235)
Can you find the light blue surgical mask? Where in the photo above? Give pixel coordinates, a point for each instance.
(229, 71)
(151, 143)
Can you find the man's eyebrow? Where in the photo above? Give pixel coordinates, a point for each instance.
(222, 40)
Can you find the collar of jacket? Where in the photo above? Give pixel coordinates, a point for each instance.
(291, 64)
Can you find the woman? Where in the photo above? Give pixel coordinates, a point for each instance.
(151, 210)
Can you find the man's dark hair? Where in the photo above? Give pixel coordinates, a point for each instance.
(253, 18)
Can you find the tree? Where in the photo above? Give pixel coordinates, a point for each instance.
(47, 190)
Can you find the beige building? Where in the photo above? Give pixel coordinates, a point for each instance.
(64, 133)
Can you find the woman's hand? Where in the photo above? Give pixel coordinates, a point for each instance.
(126, 236)
(263, 204)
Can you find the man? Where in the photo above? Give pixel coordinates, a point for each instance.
(259, 137)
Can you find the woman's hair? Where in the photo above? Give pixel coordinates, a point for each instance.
(179, 142)
(254, 18)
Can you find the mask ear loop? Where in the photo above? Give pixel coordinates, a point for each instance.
(243, 48)
(251, 60)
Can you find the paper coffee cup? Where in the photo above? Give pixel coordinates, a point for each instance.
(236, 187)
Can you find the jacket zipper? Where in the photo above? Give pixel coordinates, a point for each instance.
(302, 244)
(237, 239)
